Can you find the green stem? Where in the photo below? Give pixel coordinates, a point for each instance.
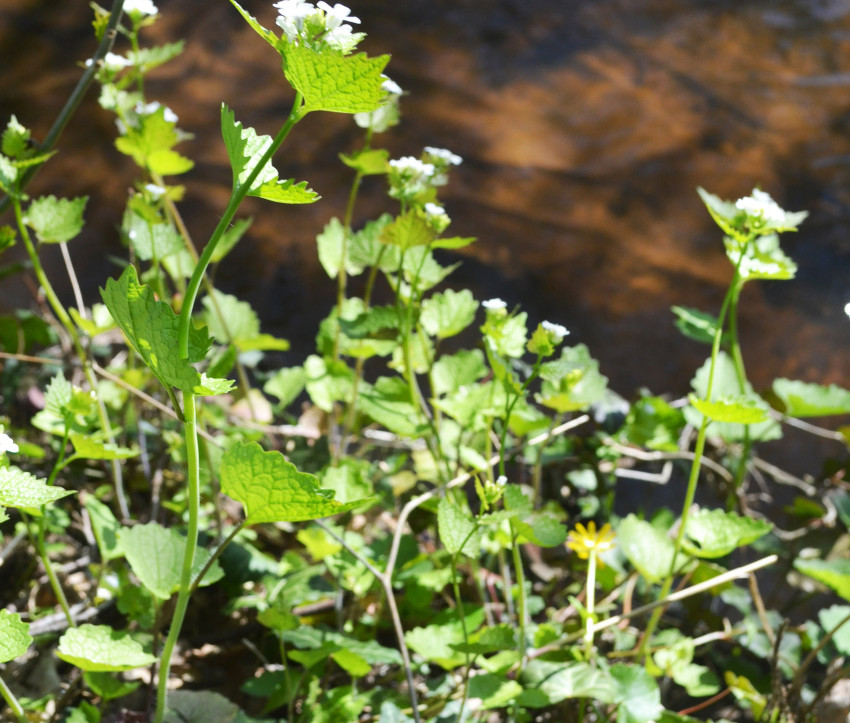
(699, 449)
(74, 99)
(185, 590)
(591, 604)
(509, 408)
(521, 609)
(51, 573)
(741, 374)
(12, 702)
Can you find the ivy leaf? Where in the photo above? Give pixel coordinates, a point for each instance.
(56, 220)
(334, 82)
(448, 313)
(155, 554)
(272, 489)
(25, 491)
(99, 648)
(739, 409)
(802, 399)
(151, 327)
(833, 573)
(15, 636)
(637, 693)
(715, 533)
(458, 531)
(648, 549)
(245, 150)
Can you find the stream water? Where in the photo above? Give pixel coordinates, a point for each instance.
(585, 126)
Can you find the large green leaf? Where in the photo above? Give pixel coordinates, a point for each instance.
(435, 642)
(25, 491)
(56, 220)
(636, 692)
(15, 636)
(716, 533)
(458, 531)
(151, 143)
(245, 150)
(803, 399)
(331, 81)
(231, 320)
(572, 382)
(648, 549)
(272, 489)
(86, 447)
(100, 648)
(448, 313)
(388, 403)
(151, 328)
(547, 683)
(155, 554)
(740, 409)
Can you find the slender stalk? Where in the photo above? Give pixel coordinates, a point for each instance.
(51, 573)
(522, 612)
(591, 603)
(12, 702)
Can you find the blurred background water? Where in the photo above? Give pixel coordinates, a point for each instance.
(585, 128)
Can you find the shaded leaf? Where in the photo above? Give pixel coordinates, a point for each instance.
(716, 533)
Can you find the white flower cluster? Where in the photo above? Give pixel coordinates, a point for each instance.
(761, 205)
(444, 155)
(303, 22)
(7, 444)
(556, 330)
(387, 114)
(141, 7)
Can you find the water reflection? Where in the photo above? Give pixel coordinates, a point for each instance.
(585, 125)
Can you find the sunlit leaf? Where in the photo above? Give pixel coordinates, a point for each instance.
(15, 636)
(547, 683)
(100, 648)
(716, 533)
(86, 447)
(737, 409)
(458, 531)
(637, 694)
(448, 313)
(25, 491)
(803, 399)
(648, 549)
(56, 220)
(832, 573)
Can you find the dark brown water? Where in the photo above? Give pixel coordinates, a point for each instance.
(585, 128)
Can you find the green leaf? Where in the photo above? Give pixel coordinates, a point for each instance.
(367, 162)
(155, 554)
(286, 384)
(266, 35)
(542, 530)
(108, 686)
(99, 648)
(436, 642)
(830, 618)
(455, 242)
(653, 423)
(408, 230)
(272, 489)
(351, 663)
(453, 371)
(105, 527)
(715, 533)
(726, 386)
(648, 549)
(493, 690)
(330, 244)
(16, 139)
(146, 59)
(334, 82)
(489, 640)
(56, 220)
(637, 693)
(458, 531)
(150, 144)
(448, 313)
(201, 706)
(697, 325)
(151, 328)
(151, 240)
(739, 409)
(388, 403)
(230, 320)
(327, 381)
(762, 259)
(15, 636)
(86, 447)
(573, 382)
(548, 683)
(802, 399)
(832, 573)
(25, 491)
(245, 150)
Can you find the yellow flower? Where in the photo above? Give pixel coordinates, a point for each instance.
(583, 540)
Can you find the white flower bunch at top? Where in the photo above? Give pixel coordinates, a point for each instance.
(556, 330)
(761, 205)
(140, 7)
(320, 24)
(7, 444)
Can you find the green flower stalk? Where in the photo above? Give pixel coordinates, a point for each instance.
(588, 543)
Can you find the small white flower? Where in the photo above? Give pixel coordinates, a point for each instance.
(494, 304)
(501, 480)
(847, 309)
(555, 329)
(434, 209)
(144, 7)
(113, 62)
(444, 155)
(336, 15)
(761, 204)
(154, 190)
(153, 107)
(409, 164)
(6, 444)
(391, 87)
